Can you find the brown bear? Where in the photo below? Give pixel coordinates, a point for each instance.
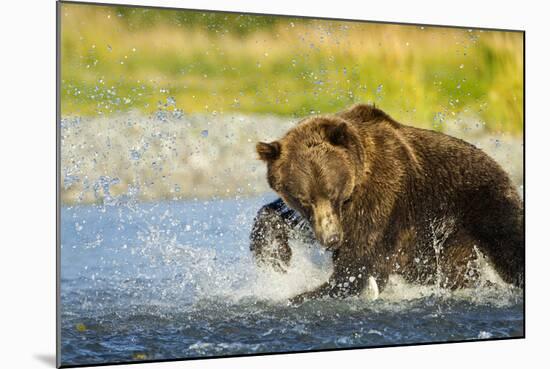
(388, 198)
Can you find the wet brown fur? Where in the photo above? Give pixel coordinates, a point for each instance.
(408, 197)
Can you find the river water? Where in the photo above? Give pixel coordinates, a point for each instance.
(165, 280)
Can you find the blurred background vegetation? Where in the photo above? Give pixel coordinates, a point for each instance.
(118, 59)
(168, 104)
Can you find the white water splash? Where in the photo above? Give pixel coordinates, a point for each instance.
(241, 279)
(308, 269)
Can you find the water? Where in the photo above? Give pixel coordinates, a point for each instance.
(153, 281)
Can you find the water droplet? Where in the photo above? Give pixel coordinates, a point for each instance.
(69, 180)
(135, 155)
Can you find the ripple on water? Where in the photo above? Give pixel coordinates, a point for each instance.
(156, 290)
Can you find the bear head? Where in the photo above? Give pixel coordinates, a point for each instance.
(315, 169)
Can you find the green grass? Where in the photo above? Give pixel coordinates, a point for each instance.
(120, 59)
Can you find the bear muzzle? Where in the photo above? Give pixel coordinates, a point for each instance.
(327, 226)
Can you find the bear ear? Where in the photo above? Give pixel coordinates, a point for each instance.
(337, 134)
(268, 151)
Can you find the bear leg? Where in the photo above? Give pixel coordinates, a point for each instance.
(497, 223)
(273, 225)
(458, 262)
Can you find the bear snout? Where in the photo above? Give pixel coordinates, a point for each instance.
(327, 227)
(330, 240)
(333, 241)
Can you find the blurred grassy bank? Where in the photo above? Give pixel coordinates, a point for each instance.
(123, 59)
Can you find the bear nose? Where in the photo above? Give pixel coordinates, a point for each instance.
(333, 240)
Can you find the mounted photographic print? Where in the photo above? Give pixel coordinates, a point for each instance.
(240, 184)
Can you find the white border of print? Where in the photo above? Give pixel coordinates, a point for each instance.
(27, 154)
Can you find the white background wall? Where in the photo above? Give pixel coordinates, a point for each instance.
(27, 182)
